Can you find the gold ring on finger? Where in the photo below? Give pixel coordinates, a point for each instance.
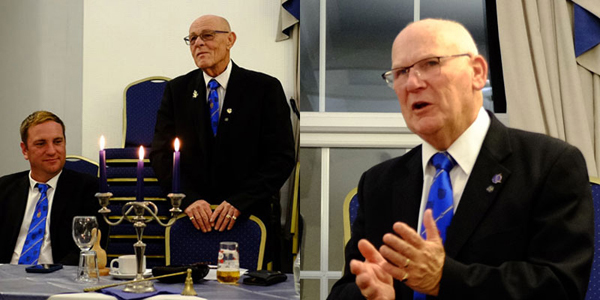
(407, 262)
(405, 277)
(191, 218)
(234, 218)
(228, 216)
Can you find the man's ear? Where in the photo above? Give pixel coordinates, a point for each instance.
(24, 151)
(231, 38)
(480, 72)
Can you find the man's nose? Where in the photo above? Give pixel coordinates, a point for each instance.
(51, 149)
(199, 41)
(414, 80)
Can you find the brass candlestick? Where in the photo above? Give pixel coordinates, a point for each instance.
(139, 208)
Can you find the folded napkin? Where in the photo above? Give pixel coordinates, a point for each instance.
(118, 292)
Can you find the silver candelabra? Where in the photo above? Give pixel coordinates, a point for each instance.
(139, 208)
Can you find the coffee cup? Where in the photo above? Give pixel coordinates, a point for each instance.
(126, 264)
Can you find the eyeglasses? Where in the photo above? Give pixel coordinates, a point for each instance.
(426, 68)
(207, 35)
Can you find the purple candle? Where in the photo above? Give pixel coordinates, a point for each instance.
(176, 155)
(140, 176)
(103, 185)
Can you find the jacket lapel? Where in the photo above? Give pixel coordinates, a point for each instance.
(17, 205)
(485, 182)
(407, 190)
(197, 100)
(234, 94)
(60, 204)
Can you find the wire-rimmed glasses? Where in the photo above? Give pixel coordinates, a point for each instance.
(425, 68)
(207, 35)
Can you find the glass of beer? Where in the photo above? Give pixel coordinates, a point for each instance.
(228, 270)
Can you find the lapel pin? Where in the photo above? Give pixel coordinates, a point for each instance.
(229, 110)
(497, 178)
(195, 94)
(490, 189)
(226, 119)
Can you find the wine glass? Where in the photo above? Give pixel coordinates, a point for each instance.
(84, 235)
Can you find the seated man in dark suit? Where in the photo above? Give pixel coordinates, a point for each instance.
(37, 206)
(479, 210)
(237, 146)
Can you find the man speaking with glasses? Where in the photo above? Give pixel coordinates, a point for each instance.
(237, 146)
(478, 211)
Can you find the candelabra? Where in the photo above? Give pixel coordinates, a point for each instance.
(139, 208)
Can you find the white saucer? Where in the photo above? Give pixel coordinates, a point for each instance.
(118, 275)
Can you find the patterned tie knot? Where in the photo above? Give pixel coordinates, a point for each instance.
(213, 84)
(42, 187)
(443, 160)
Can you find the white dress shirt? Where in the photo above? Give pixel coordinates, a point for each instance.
(223, 80)
(32, 199)
(464, 151)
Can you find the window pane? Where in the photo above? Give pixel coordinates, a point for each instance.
(359, 40)
(310, 207)
(310, 289)
(359, 36)
(309, 56)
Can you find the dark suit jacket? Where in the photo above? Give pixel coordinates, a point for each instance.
(529, 236)
(251, 156)
(74, 196)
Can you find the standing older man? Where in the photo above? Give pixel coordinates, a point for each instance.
(237, 147)
(37, 206)
(479, 211)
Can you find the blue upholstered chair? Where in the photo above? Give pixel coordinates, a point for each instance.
(81, 165)
(186, 245)
(593, 292)
(350, 211)
(141, 102)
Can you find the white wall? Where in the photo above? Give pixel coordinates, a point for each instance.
(124, 41)
(40, 69)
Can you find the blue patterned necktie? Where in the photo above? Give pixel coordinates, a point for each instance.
(213, 102)
(37, 228)
(440, 198)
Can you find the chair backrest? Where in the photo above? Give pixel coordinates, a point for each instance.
(594, 283)
(186, 245)
(350, 210)
(141, 102)
(81, 164)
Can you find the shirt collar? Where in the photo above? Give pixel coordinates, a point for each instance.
(51, 183)
(222, 78)
(466, 148)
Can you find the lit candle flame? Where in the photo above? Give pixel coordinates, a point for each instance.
(176, 144)
(141, 153)
(102, 142)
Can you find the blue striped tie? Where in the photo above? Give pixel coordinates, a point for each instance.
(213, 102)
(37, 228)
(440, 198)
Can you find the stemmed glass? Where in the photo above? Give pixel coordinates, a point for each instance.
(84, 235)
